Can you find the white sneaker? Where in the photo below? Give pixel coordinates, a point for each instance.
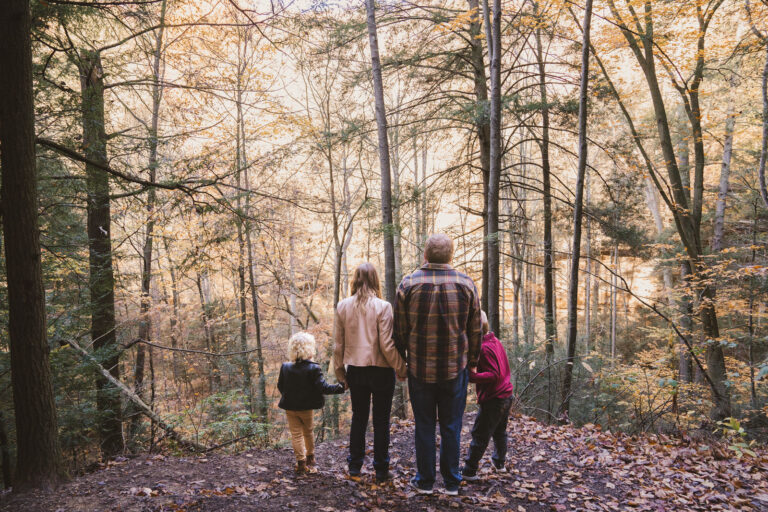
(419, 489)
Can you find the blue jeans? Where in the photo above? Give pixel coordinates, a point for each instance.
(443, 401)
(368, 383)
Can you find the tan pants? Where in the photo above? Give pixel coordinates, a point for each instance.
(300, 425)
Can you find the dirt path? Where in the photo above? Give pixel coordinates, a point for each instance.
(552, 469)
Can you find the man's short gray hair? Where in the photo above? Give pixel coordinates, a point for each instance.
(438, 249)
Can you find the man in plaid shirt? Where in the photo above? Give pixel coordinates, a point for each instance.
(438, 330)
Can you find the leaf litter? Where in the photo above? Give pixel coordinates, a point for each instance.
(551, 468)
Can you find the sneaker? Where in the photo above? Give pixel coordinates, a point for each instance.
(469, 475)
(383, 477)
(502, 469)
(354, 474)
(451, 491)
(415, 484)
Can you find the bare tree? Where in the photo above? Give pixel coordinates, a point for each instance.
(578, 209)
(386, 180)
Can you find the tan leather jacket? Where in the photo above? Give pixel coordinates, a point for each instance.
(364, 337)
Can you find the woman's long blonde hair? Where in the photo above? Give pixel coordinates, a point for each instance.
(365, 283)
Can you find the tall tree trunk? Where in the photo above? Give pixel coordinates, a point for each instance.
(263, 410)
(725, 171)
(764, 144)
(549, 286)
(685, 365)
(751, 322)
(214, 375)
(417, 203)
(687, 214)
(483, 125)
(396, 220)
(685, 305)
(614, 284)
(386, 184)
(492, 199)
(145, 325)
(588, 276)
(101, 282)
(596, 297)
(38, 458)
(573, 287)
(241, 163)
(424, 196)
(179, 370)
(653, 206)
(5, 454)
(346, 208)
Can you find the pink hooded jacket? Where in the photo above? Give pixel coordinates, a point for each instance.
(492, 376)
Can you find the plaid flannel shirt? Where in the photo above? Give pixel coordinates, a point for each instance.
(437, 322)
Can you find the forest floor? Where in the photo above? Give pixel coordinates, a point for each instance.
(552, 468)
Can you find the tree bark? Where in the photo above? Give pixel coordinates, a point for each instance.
(725, 171)
(179, 370)
(494, 178)
(241, 163)
(263, 409)
(588, 276)
(396, 210)
(38, 458)
(687, 213)
(5, 454)
(386, 184)
(764, 144)
(483, 125)
(578, 207)
(685, 305)
(549, 286)
(101, 281)
(145, 323)
(214, 376)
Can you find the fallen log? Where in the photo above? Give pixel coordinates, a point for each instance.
(136, 399)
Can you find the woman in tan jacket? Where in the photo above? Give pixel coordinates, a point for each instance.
(364, 345)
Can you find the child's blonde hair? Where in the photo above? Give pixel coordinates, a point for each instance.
(484, 321)
(301, 346)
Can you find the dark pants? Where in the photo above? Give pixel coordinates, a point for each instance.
(443, 401)
(490, 422)
(366, 383)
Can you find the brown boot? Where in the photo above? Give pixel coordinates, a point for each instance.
(301, 467)
(311, 464)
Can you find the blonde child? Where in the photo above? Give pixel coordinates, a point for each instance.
(302, 386)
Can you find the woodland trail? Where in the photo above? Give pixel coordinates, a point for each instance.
(553, 468)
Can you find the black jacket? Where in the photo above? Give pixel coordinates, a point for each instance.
(302, 386)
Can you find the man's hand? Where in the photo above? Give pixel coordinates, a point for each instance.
(473, 369)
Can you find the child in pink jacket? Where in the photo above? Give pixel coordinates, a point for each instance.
(494, 397)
